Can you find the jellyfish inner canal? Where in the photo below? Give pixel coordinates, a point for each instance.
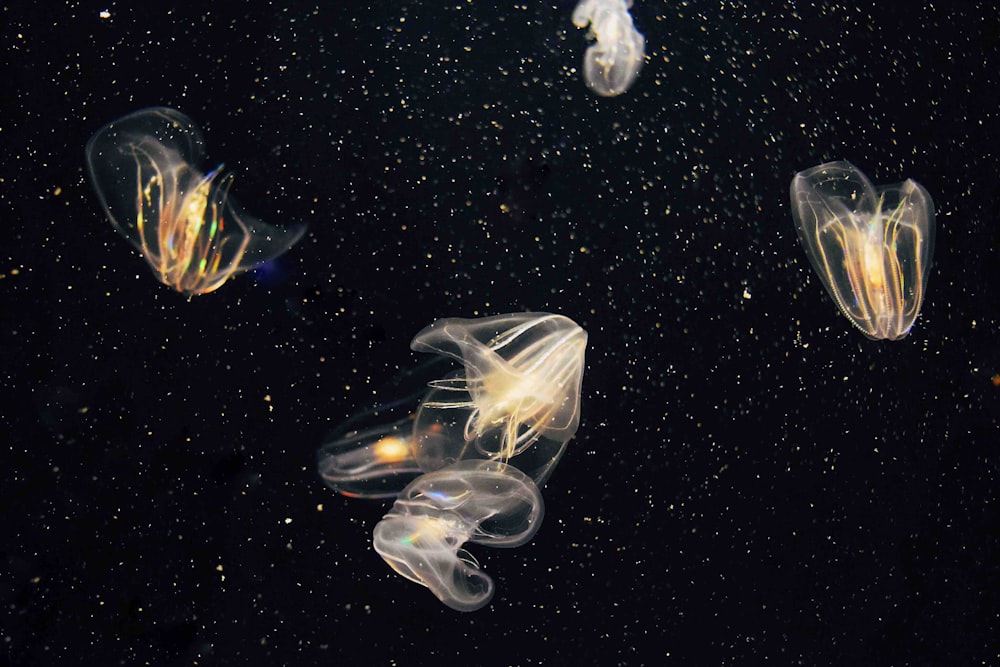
(514, 403)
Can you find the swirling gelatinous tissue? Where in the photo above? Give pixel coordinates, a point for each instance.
(517, 398)
(483, 440)
(612, 63)
(144, 167)
(483, 502)
(871, 246)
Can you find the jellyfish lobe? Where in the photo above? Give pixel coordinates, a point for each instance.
(483, 502)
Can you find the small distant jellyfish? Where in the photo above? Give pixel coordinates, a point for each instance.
(612, 63)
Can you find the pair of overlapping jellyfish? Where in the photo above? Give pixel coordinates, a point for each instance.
(467, 466)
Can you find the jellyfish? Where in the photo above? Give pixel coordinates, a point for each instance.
(185, 223)
(612, 63)
(516, 399)
(482, 442)
(870, 246)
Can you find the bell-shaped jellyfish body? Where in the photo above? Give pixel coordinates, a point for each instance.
(145, 168)
(612, 62)
(871, 246)
(517, 400)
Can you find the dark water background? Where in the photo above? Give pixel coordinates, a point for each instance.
(753, 481)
